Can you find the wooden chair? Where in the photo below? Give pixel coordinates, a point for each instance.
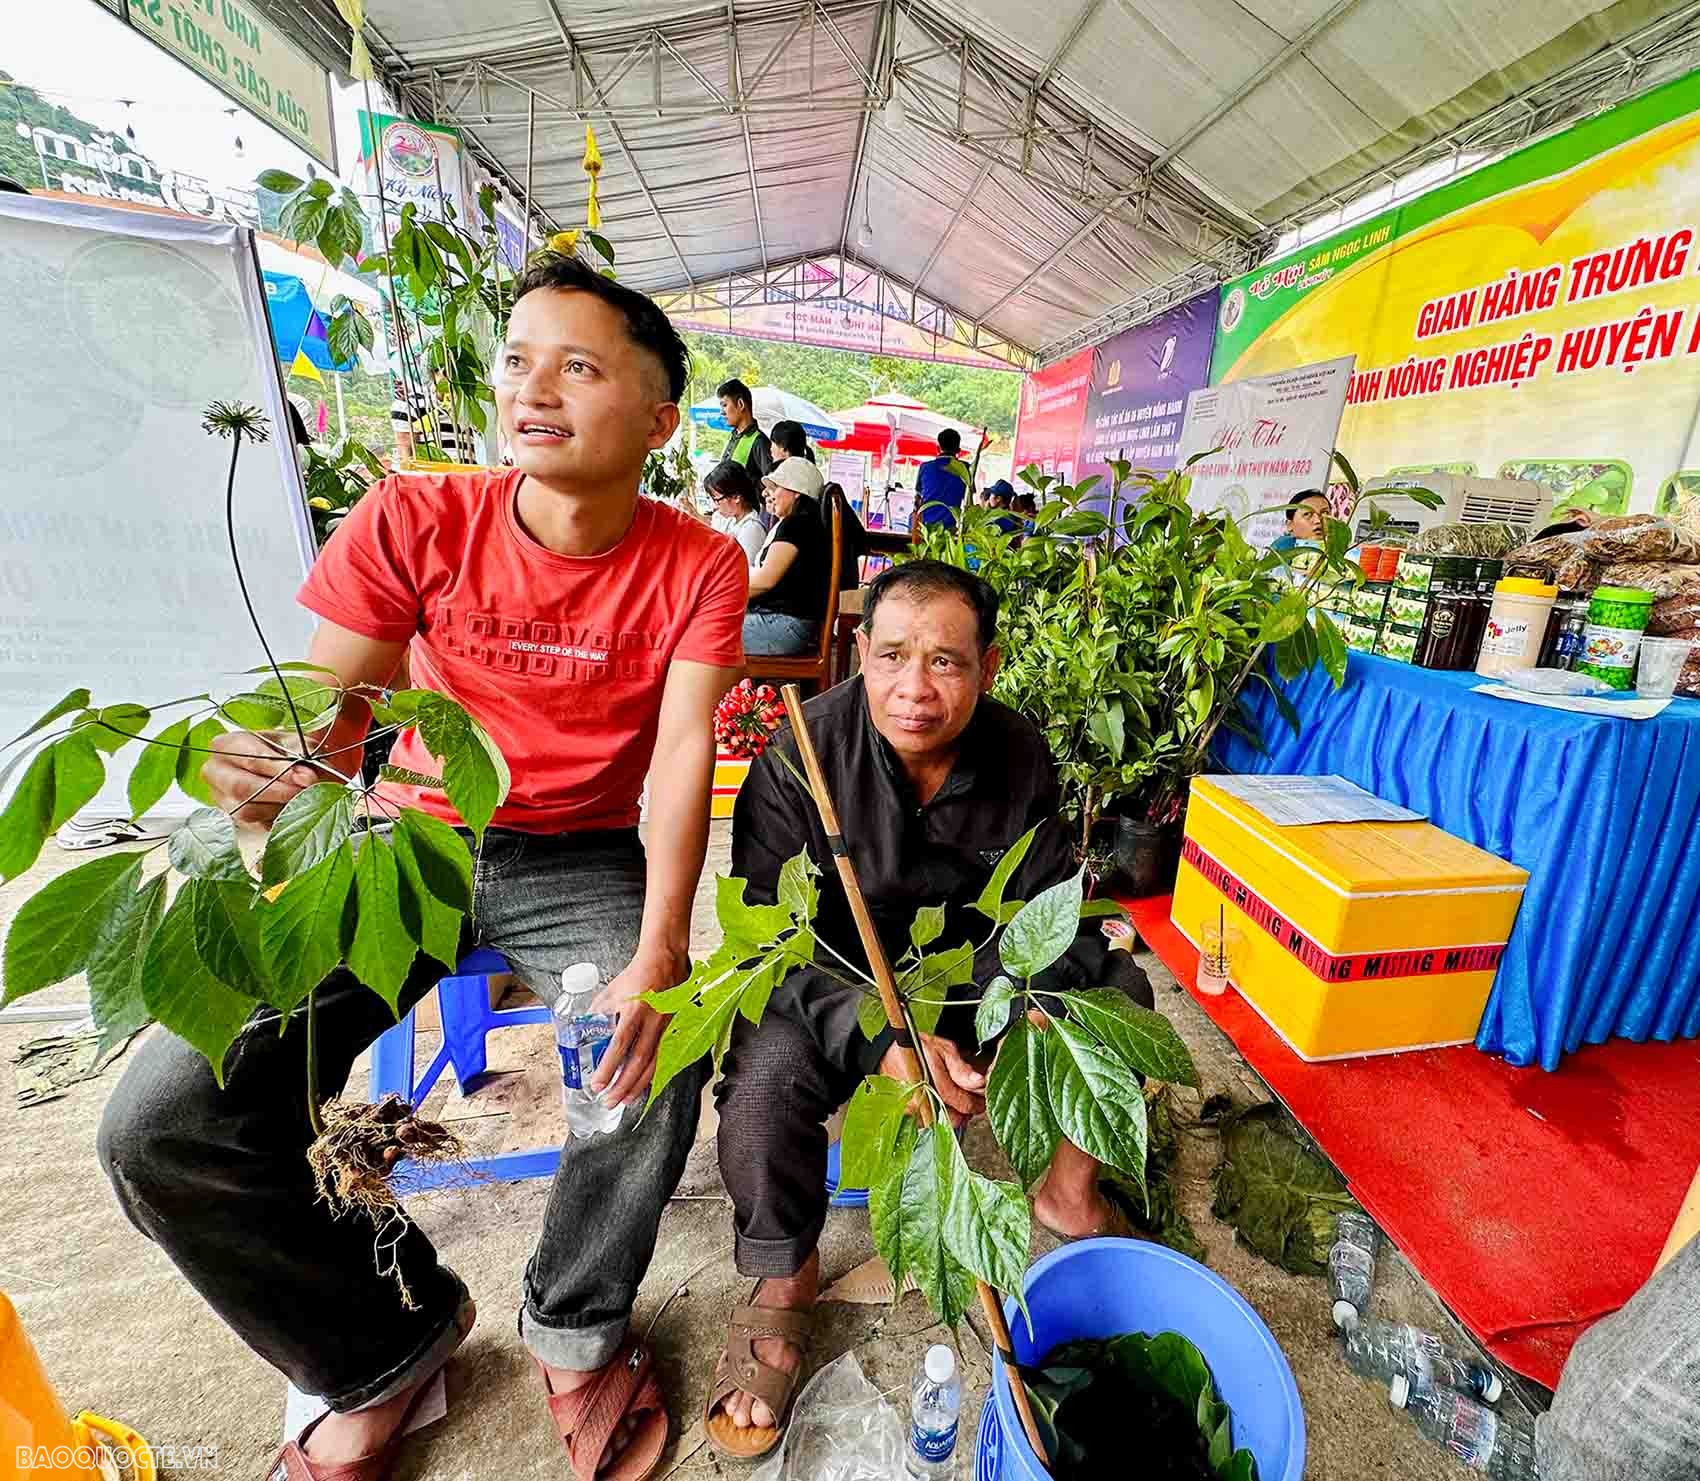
(812, 670)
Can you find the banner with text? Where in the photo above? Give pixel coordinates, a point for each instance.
(1048, 425)
(1538, 318)
(1276, 435)
(1140, 382)
(246, 57)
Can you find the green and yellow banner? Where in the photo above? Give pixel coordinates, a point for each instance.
(1538, 318)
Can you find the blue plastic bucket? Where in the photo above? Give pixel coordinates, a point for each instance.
(1103, 1287)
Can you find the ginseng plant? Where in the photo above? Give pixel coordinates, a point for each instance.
(207, 946)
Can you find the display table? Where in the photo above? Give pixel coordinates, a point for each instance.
(1603, 813)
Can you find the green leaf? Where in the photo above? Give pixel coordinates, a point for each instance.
(888, 1215)
(56, 928)
(156, 767)
(695, 1030)
(28, 818)
(251, 710)
(443, 860)
(927, 926)
(1045, 928)
(992, 1016)
(1097, 1105)
(312, 826)
(987, 1226)
(227, 937)
(315, 702)
(925, 987)
(748, 926)
(78, 772)
(280, 181)
(990, 903)
(1280, 1196)
(115, 961)
(1103, 909)
(193, 757)
(379, 951)
(1146, 1040)
(475, 777)
(205, 847)
(301, 930)
(1018, 1103)
(183, 995)
(1352, 481)
(1336, 537)
(871, 1017)
(871, 1130)
(928, 1187)
(1284, 619)
(758, 982)
(1332, 644)
(433, 926)
(115, 726)
(77, 699)
(798, 892)
(604, 248)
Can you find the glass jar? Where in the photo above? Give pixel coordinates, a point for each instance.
(1563, 642)
(1446, 625)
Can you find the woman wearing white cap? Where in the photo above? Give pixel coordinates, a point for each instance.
(788, 584)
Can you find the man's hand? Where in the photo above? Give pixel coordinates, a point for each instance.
(629, 1064)
(242, 763)
(959, 1084)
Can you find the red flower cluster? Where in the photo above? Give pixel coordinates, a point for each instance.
(745, 720)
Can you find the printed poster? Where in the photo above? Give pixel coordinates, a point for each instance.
(1048, 424)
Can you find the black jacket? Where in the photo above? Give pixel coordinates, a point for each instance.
(758, 458)
(907, 856)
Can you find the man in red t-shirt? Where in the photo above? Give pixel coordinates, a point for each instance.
(590, 630)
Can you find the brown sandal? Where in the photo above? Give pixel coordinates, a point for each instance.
(586, 1418)
(292, 1463)
(739, 1368)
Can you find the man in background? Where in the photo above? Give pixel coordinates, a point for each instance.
(942, 484)
(749, 447)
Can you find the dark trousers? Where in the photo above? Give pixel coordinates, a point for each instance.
(778, 1087)
(219, 1178)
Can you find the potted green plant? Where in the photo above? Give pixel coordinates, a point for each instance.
(336, 480)
(203, 943)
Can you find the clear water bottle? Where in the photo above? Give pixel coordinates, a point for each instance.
(1494, 1444)
(934, 1406)
(583, 1037)
(1385, 1350)
(1351, 1267)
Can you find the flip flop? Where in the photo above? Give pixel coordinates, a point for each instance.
(1117, 1226)
(586, 1418)
(292, 1463)
(739, 1368)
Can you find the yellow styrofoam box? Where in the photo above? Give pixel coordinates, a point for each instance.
(729, 774)
(1354, 938)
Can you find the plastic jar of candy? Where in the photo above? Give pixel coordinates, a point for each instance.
(1617, 617)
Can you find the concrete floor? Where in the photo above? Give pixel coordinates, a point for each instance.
(120, 1332)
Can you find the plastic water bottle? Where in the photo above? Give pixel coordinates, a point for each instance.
(1386, 1350)
(934, 1406)
(1494, 1444)
(583, 1037)
(1351, 1267)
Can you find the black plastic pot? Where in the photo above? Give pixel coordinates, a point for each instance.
(1147, 857)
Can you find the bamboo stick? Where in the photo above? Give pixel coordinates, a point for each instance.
(887, 985)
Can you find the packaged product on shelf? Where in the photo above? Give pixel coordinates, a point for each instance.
(1361, 636)
(1662, 578)
(1416, 571)
(1639, 537)
(1566, 626)
(1479, 541)
(1676, 615)
(1398, 642)
(1617, 617)
(1408, 607)
(1516, 626)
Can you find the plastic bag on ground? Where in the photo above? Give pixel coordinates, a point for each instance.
(841, 1430)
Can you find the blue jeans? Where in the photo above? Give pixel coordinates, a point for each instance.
(772, 634)
(219, 1178)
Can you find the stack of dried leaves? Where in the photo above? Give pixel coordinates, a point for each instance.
(1157, 1213)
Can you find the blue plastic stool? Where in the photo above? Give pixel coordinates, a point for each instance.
(463, 1003)
(841, 1197)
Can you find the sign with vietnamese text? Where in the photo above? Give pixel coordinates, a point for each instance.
(1053, 405)
(246, 57)
(1538, 318)
(1271, 437)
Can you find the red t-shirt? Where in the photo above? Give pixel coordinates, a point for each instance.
(562, 658)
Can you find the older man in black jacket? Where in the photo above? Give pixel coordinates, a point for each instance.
(933, 782)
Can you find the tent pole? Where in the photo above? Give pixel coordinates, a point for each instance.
(530, 155)
(341, 411)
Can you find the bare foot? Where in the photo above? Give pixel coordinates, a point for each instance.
(798, 1293)
(1075, 1212)
(339, 1439)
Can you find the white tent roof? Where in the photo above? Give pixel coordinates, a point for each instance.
(1042, 167)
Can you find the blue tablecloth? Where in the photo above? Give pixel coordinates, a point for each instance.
(1603, 813)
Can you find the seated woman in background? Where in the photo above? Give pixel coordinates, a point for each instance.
(1304, 520)
(789, 440)
(737, 507)
(788, 585)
